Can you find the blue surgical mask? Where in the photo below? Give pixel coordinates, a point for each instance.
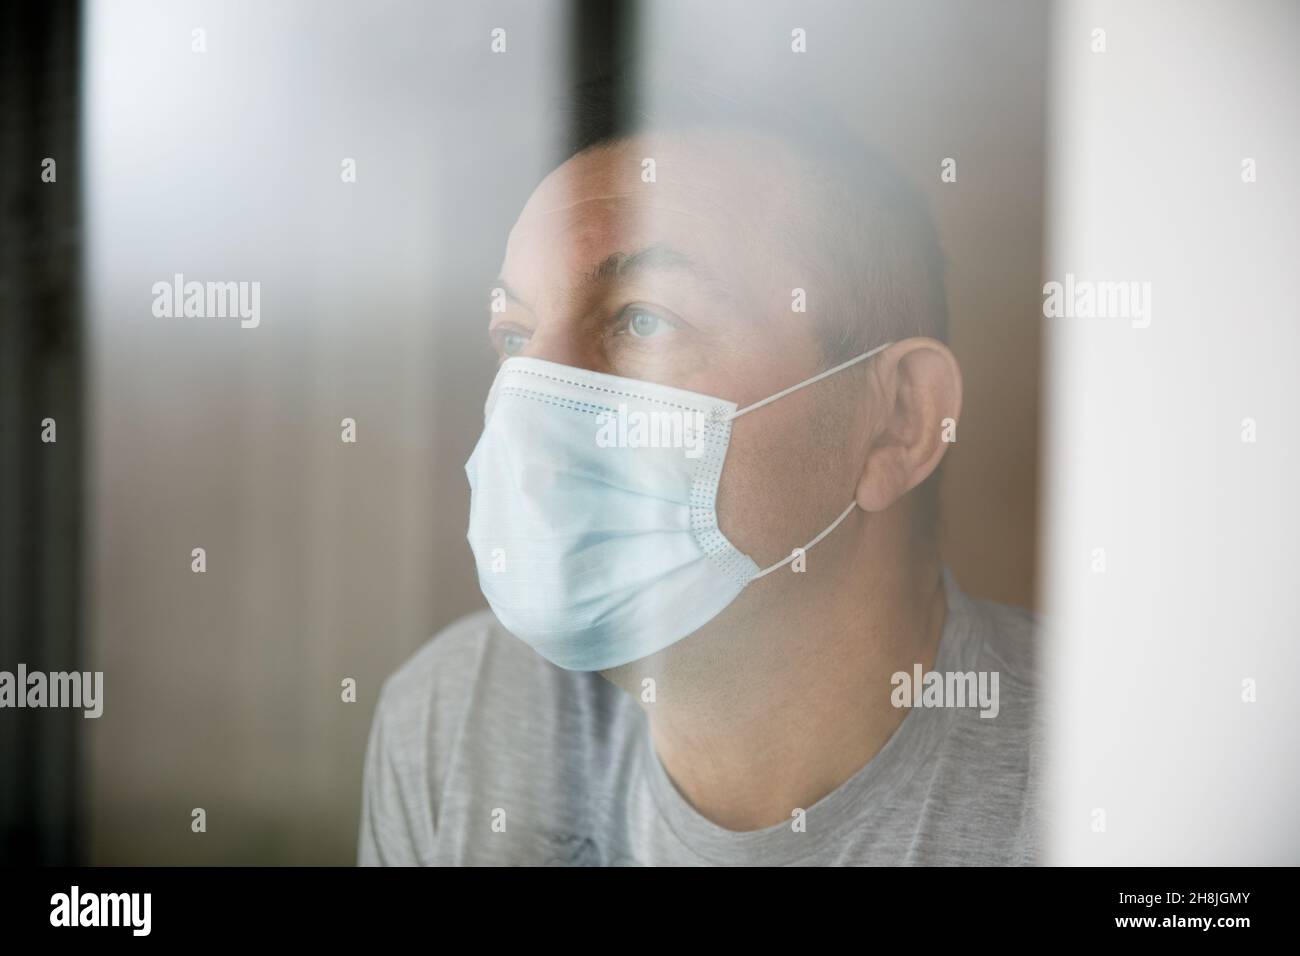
(593, 515)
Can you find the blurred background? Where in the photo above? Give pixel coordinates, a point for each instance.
(209, 138)
(328, 560)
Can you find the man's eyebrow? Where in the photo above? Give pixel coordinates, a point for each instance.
(656, 258)
(510, 293)
(623, 265)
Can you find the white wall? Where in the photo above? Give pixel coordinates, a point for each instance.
(1143, 436)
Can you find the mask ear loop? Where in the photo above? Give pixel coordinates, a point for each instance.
(809, 546)
(808, 381)
(782, 394)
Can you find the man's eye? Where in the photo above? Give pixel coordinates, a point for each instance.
(512, 343)
(643, 324)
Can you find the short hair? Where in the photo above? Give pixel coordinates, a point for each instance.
(878, 263)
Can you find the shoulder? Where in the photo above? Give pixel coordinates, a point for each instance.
(1008, 640)
(416, 703)
(1001, 648)
(473, 712)
(458, 650)
(475, 666)
(996, 753)
(468, 685)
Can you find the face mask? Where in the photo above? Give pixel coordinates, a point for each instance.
(592, 511)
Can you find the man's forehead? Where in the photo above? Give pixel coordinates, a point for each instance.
(708, 191)
(683, 162)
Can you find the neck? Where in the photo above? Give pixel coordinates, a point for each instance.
(788, 697)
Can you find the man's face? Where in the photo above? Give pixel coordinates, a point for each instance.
(687, 281)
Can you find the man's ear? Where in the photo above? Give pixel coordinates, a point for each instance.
(916, 399)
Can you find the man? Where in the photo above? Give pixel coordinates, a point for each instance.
(658, 697)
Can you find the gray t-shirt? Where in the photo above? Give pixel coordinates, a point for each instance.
(482, 752)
